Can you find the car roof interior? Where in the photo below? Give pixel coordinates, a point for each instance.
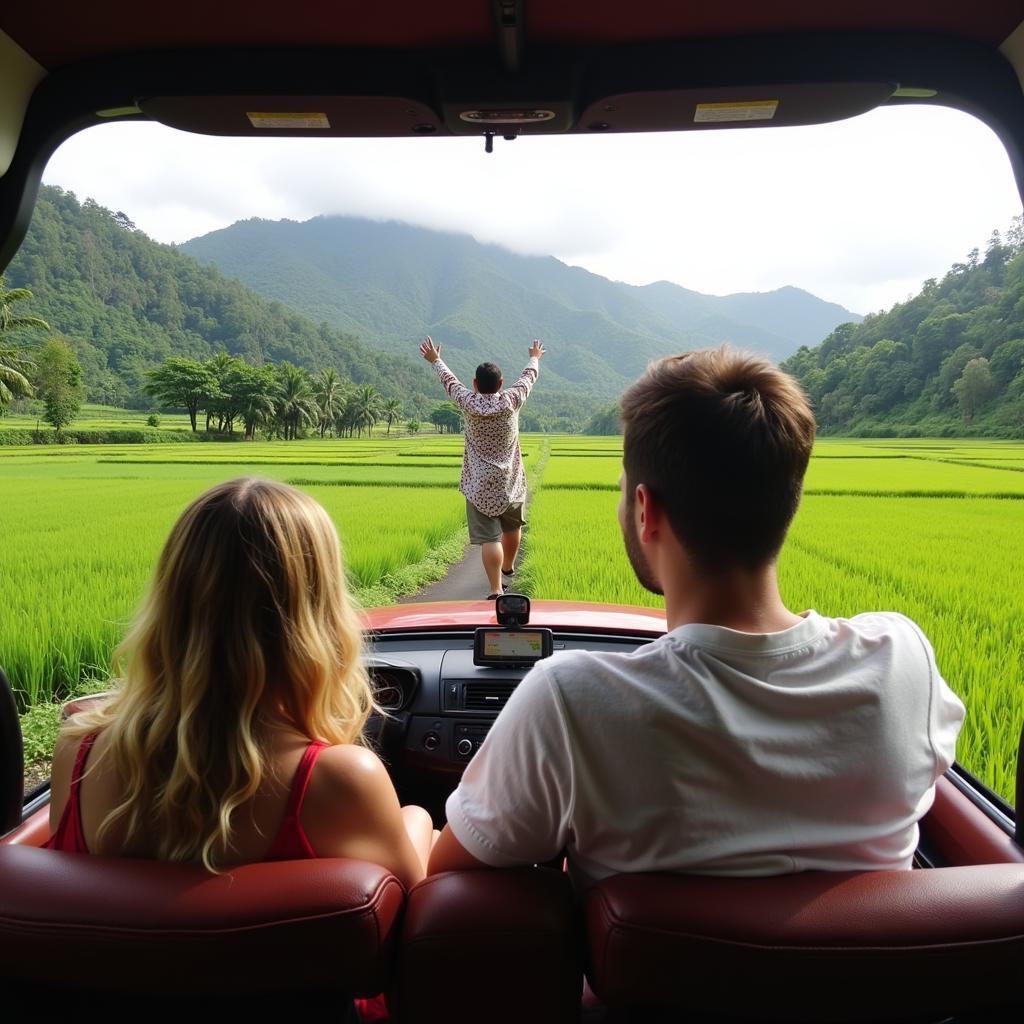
(502, 68)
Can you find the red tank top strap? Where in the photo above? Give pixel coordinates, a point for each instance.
(69, 836)
(291, 841)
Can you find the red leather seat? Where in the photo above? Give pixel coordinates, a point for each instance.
(879, 946)
(495, 946)
(84, 925)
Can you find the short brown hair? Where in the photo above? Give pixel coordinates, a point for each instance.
(722, 438)
(488, 378)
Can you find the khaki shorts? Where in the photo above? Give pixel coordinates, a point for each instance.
(487, 529)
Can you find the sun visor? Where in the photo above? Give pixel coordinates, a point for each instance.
(734, 107)
(290, 116)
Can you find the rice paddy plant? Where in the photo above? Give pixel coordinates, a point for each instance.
(582, 472)
(917, 475)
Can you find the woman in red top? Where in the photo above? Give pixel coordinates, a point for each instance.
(234, 733)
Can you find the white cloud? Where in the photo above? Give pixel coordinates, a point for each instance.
(859, 212)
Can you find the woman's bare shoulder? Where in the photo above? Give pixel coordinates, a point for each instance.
(351, 771)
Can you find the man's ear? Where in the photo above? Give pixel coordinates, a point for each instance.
(501, 383)
(648, 512)
(476, 387)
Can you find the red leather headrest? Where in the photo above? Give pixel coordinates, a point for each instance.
(811, 947)
(499, 946)
(145, 926)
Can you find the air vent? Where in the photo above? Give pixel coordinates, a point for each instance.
(491, 696)
(393, 686)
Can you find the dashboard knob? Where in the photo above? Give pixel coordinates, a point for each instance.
(464, 747)
(431, 741)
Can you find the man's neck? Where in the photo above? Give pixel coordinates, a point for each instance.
(738, 599)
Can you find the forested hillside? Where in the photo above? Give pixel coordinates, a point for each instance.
(390, 283)
(948, 361)
(126, 303)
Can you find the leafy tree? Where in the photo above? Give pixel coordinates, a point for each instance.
(447, 417)
(604, 421)
(974, 387)
(1007, 361)
(413, 426)
(183, 383)
(391, 410)
(59, 382)
(939, 332)
(950, 371)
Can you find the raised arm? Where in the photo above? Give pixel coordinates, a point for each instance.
(520, 391)
(457, 391)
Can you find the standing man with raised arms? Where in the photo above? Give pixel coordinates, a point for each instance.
(493, 477)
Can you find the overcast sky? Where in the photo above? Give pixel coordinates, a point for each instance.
(859, 212)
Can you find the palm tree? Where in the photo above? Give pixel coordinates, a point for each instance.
(391, 410)
(13, 382)
(329, 392)
(13, 365)
(258, 400)
(296, 405)
(8, 321)
(366, 408)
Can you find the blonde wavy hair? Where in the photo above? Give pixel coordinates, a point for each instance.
(248, 627)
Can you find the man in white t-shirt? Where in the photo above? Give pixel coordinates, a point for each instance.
(749, 740)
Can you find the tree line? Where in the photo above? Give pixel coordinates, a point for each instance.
(284, 401)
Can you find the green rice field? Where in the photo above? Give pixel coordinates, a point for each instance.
(934, 529)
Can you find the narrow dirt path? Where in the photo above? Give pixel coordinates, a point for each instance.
(465, 579)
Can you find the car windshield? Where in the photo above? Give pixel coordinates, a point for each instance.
(880, 260)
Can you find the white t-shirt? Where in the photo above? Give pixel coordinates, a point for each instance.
(711, 751)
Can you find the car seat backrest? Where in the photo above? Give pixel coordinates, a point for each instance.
(88, 923)
(500, 946)
(817, 946)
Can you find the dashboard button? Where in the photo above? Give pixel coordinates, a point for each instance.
(464, 747)
(431, 741)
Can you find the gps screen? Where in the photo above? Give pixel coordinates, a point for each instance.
(511, 646)
(525, 644)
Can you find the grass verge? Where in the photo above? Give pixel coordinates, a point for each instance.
(410, 578)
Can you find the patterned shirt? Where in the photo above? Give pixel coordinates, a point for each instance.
(493, 476)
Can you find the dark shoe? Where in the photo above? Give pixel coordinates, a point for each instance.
(508, 572)
(492, 597)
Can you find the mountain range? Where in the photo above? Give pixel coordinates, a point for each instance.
(390, 283)
(358, 295)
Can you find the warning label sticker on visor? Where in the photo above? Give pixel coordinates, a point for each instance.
(756, 110)
(259, 119)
